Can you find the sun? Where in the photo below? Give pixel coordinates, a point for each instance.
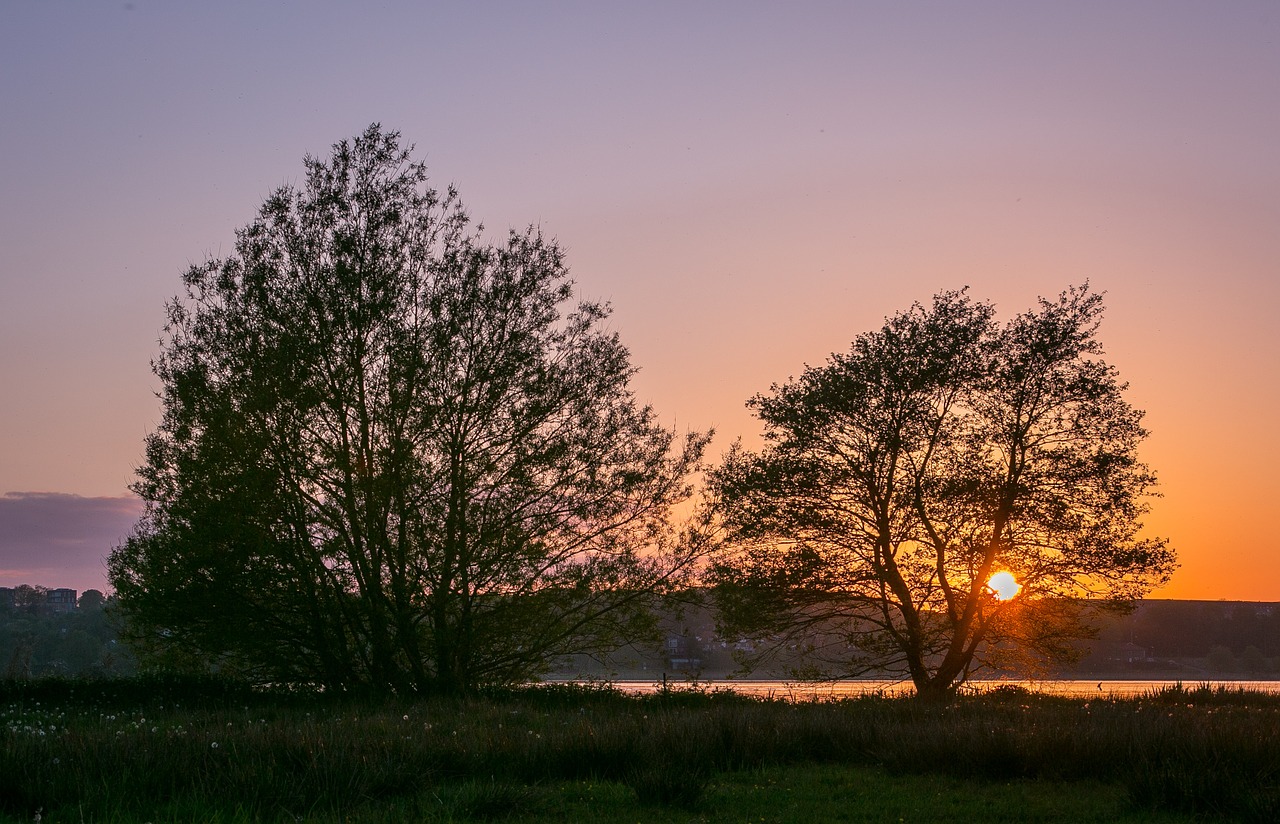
(1004, 585)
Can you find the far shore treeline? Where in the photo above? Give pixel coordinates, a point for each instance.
(397, 455)
(1158, 640)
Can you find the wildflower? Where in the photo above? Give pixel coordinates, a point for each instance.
(214, 745)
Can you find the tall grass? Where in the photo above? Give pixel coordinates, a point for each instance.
(112, 750)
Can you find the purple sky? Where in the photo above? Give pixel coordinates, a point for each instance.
(751, 184)
(56, 539)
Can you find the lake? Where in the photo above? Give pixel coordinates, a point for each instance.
(807, 691)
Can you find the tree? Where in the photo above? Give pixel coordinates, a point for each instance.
(28, 598)
(1253, 661)
(897, 478)
(392, 455)
(91, 599)
(1221, 659)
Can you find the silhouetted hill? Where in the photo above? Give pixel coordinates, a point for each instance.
(1239, 639)
(1164, 639)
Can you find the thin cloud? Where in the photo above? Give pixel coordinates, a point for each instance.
(55, 539)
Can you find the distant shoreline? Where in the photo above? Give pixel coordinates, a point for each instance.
(852, 687)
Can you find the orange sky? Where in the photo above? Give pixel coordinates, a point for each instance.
(750, 184)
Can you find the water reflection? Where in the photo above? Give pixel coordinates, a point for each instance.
(808, 691)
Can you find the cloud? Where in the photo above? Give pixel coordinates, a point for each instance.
(59, 540)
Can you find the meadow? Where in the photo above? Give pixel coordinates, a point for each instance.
(159, 749)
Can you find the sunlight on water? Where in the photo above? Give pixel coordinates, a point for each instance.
(802, 691)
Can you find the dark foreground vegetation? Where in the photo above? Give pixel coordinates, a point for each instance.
(178, 750)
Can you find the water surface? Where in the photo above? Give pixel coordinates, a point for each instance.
(808, 691)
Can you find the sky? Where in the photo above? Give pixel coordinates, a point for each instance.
(751, 185)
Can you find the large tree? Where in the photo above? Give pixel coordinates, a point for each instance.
(394, 455)
(900, 476)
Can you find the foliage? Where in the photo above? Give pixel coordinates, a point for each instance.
(899, 476)
(36, 642)
(393, 455)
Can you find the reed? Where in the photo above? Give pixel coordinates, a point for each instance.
(111, 750)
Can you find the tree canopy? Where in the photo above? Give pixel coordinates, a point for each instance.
(898, 477)
(394, 455)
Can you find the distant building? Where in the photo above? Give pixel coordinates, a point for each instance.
(1130, 652)
(60, 600)
(682, 654)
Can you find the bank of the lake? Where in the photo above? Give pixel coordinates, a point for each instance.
(181, 751)
(857, 687)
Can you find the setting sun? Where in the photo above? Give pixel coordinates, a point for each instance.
(1004, 585)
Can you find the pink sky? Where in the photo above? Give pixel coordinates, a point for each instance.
(751, 185)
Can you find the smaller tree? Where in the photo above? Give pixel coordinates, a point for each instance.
(1221, 659)
(899, 477)
(1253, 661)
(91, 599)
(28, 598)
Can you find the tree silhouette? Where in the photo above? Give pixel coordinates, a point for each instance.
(394, 455)
(898, 477)
(91, 599)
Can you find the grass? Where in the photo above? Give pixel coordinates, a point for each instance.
(184, 751)
(832, 792)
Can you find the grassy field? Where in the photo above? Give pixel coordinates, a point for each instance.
(160, 750)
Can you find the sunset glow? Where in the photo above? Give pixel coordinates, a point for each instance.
(749, 185)
(1004, 586)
